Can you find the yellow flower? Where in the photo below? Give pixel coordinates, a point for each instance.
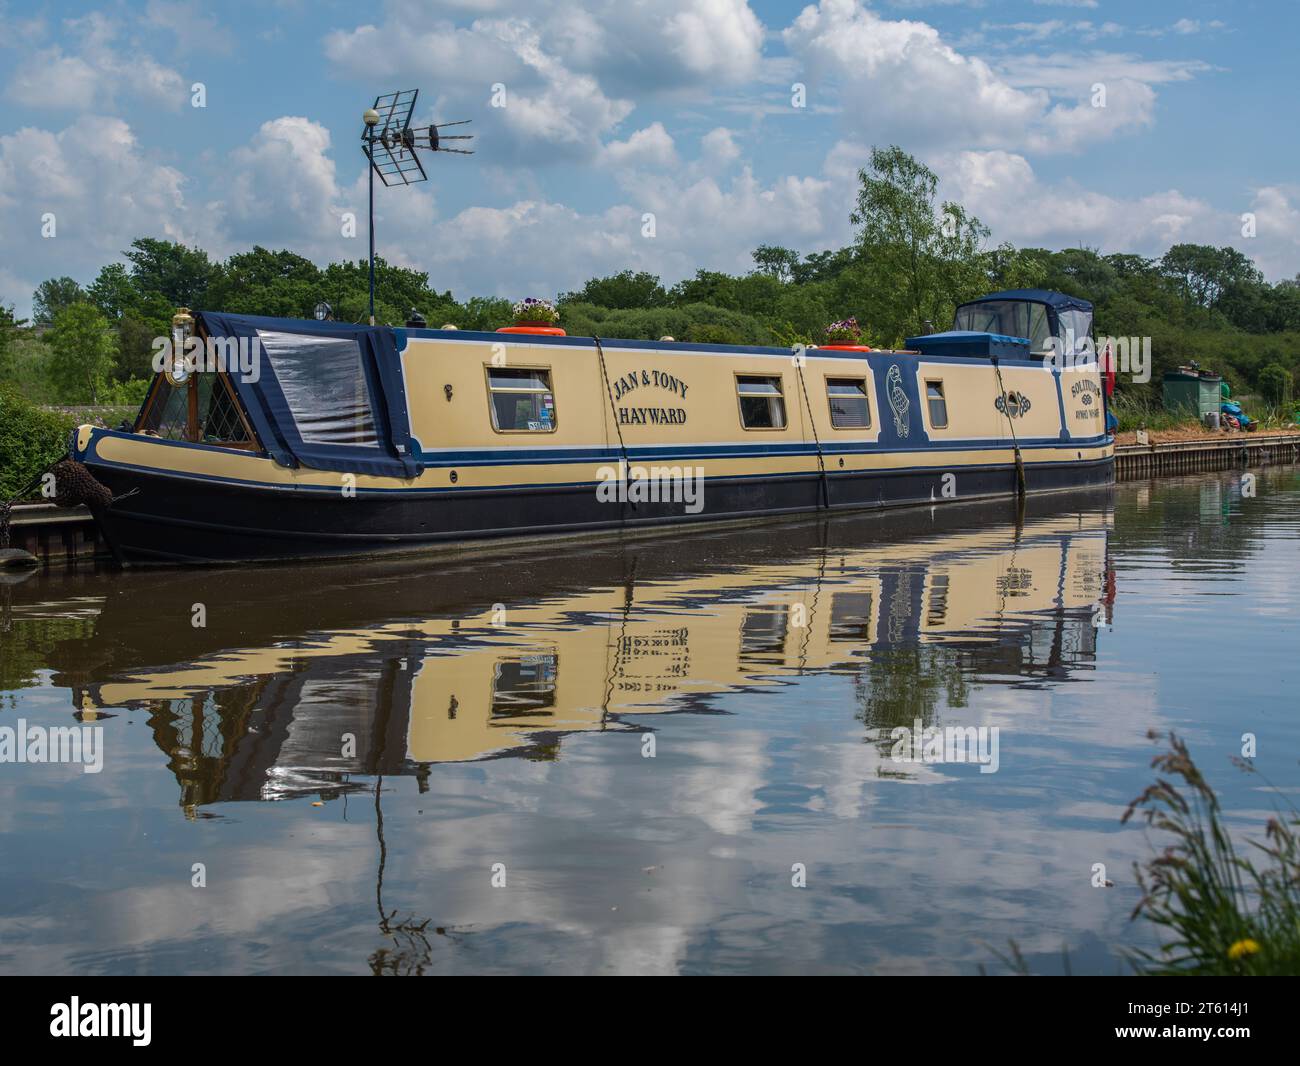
(1242, 948)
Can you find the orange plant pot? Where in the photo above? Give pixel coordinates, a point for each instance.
(544, 328)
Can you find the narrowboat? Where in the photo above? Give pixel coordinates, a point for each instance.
(264, 438)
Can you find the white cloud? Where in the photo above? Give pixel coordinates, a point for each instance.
(186, 20)
(1077, 72)
(281, 187)
(901, 81)
(103, 191)
(568, 70)
(100, 69)
(1005, 192)
(541, 247)
(721, 38)
(650, 147)
(718, 148)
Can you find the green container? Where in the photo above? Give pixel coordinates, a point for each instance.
(1192, 394)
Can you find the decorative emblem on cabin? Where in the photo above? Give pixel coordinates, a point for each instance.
(1012, 404)
(898, 401)
(1088, 393)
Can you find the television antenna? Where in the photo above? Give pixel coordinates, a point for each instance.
(393, 146)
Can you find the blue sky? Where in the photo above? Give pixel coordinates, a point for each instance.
(618, 109)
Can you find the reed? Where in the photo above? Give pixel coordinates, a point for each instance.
(1222, 911)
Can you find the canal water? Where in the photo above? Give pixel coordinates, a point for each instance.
(686, 754)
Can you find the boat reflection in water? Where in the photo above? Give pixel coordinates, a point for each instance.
(304, 681)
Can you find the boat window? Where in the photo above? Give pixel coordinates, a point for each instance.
(848, 400)
(762, 405)
(219, 419)
(763, 633)
(934, 399)
(524, 686)
(166, 412)
(1010, 318)
(324, 384)
(522, 400)
(1075, 326)
(851, 614)
(938, 611)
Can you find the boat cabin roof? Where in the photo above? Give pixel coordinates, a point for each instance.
(1058, 301)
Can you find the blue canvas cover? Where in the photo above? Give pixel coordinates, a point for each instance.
(962, 343)
(326, 395)
(1056, 300)
(1045, 318)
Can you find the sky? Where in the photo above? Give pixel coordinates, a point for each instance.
(659, 135)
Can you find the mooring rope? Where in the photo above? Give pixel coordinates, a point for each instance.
(6, 508)
(821, 461)
(1006, 410)
(609, 389)
(74, 485)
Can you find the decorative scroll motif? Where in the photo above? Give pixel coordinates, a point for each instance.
(898, 401)
(1013, 404)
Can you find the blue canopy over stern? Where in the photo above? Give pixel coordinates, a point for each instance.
(324, 395)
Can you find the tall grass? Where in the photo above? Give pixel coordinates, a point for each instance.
(1141, 411)
(1222, 911)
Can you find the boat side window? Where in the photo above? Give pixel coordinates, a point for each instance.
(850, 408)
(937, 404)
(762, 403)
(1075, 328)
(521, 400)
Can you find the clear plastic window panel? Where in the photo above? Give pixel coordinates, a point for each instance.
(324, 384)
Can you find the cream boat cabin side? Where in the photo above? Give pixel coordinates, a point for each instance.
(302, 439)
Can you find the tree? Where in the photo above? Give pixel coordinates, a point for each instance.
(52, 297)
(924, 257)
(180, 274)
(345, 287)
(113, 292)
(1202, 272)
(83, 351)
(8, 324)
(708, 286)
(624, 290)
(779, 262)
(263, 282)
(823, 266)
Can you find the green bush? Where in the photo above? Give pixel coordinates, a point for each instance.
(30, 440)
(1275, 383)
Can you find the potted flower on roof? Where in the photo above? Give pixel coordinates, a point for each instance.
(845, 335)
(534, 316)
